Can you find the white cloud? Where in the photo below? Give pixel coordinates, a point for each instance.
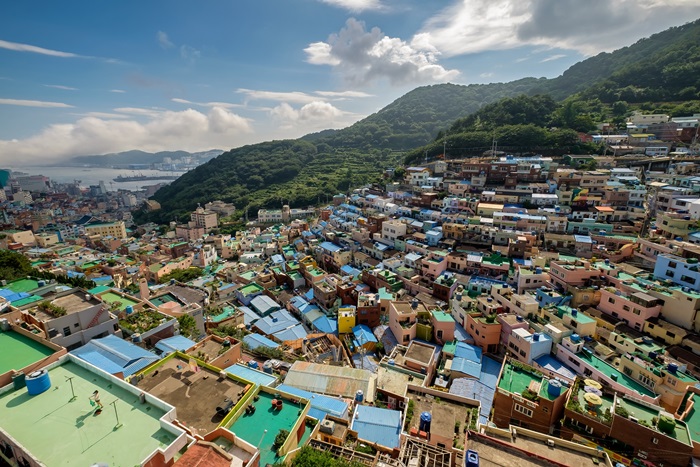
(167, 130)
(312, 116)
(163, 40)
(343, 94)
(152, 112)
(30, 103)
(486, 75)
(295, 97)
(119, 91)
(58, 86)
(223, 105)
(552, 58)
(189, 53)
(17, 47)
(363, 56)
(471, 26)
(105, 115)
(355, 5)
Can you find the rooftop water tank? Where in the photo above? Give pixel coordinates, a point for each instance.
(538, 270)
(554, 388)
(425, 419)
(535, 337)
(136, 338)
(267, 367)
(519, 318)
(575, 338)
(129, 309)
(359, 396)
(37, 382)
(472, 459)
(613, 376)
(41, 283)
(672, 367)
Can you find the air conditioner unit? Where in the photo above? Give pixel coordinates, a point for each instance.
(327, 426)
(550, 443)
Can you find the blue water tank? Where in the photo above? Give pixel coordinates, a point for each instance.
(471, 459)
(136, 338)
(574, 312)
(653, 355)
(129, 309)
(425, 419)
(575, 338)
(535, 337)
(672, 367)
(253, 364)
(554, 388)
(538, 270)
(267, 367)
(359, 396)
(41, 283)
(37, 382)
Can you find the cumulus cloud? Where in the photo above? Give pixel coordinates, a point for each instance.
(314, 115)
(164, 130)
(30, 103)
(471, 26)
(164, 40)
(343, 94)
(355, 5)
(364, 56)
(59, 86)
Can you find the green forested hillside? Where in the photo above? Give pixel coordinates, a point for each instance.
(661, 73)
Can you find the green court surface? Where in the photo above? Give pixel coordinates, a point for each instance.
(111, 297)
(260, 428)
(61, 432)
(18, 351)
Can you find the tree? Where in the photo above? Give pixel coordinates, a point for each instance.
(13, 265)
(188, 326)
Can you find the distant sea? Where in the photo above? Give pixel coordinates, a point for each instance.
(93, 175)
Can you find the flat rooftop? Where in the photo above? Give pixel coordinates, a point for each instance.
(19, 351)
(55, 429)
(445, 412)
(492, 454)
(111, 297)
(420, 352)
(195, 395)
(261, 427)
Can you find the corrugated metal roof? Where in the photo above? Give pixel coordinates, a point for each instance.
(249, 374)
(114, 355)
(381, 426)
(467, 367)
(468, 352)
(325, 324)
(256, 340)
(326, 404)
(171, 344)
(291, 334)
(275, 322)
(332, 380)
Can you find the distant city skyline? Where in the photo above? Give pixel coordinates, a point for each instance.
(94, 78)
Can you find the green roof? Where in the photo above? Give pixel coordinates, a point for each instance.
(111, 297)
(443, 317)
(22, 285)
(642, 412)
(61, 431)
(19, 351)
(516, 379)
(609, 370)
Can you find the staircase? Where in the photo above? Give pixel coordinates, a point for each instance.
(96, 318)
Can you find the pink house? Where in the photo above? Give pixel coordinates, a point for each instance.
(433, 266)
(403, 319)
(565, 274)
(634, 308)
(510, 322)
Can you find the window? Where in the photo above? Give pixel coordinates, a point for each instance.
(626, 307)
(670, 334)
(66, 331)
(655, 440)
(646, 381)
(669, 273)
(76, 325)
(523, 410)
(688, 279)
(611, 300)
(672, 264)
(522, 353)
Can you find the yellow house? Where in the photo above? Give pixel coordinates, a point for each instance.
(346, 319)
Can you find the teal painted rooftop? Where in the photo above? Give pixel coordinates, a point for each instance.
(261, 427)
(609, 370)
(443, 317)
(642, 412)
(251, 289)
(226, 312)
(19, 351)
(165, 298)
(59, 431)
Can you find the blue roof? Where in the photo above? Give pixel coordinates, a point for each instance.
(349, 270)
(297, 302)
(291, 334)
(467, 367)
(249, 316)
(475, 389)
(263, 304)
(363, 334)
(249, 374)
(326, 404)
(583, 239)
(332, 247)
(468, 352)
(275, 322)
(381, 426)
(310, 294)
(277, 259)
(490, 369)
(11, 296)
(171, 344)
(115, 355)
(552, 364)
(324, 324)
(256, 340)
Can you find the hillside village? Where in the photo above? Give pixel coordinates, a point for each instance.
(503, 309)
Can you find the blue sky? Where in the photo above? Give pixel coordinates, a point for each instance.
(88, 77)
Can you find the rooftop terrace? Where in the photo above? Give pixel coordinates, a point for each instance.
(56, 429)
(19, 351)
(195, 394)
(518, 379)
